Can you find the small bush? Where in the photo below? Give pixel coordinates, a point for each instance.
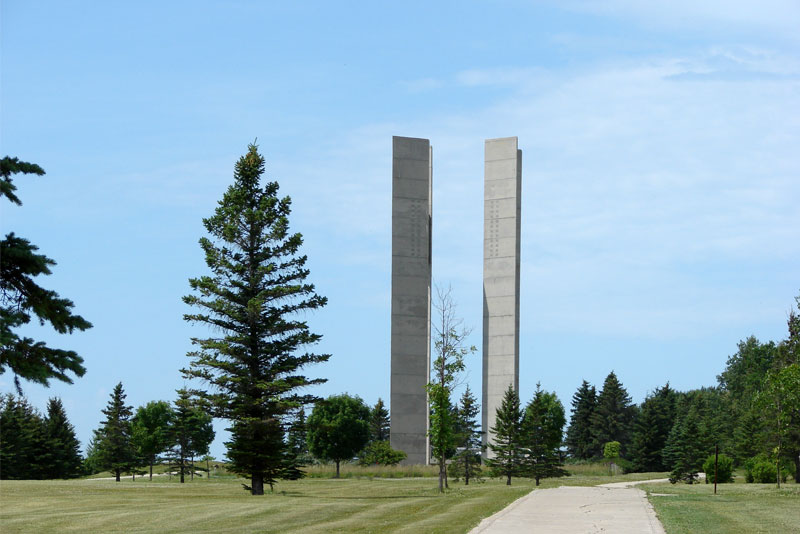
(762, 470)
(724, 469)
(380, 453)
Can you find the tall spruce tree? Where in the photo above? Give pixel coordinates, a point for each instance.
(113, 449)
(614, 416)
(21, 298)
(507, 444)
(379, 422)
(255, 299)
(651, 430)
(542, 432)
(467, 461)
(64, 448)
(579, 434)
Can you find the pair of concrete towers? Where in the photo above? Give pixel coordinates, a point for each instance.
(412, 220)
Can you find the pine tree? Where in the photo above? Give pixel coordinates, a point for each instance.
(64, 447)
(113, 449)
(150, 430)
(296, 436)
(379, 422)
(682, 453)
(651, 430)
(191, 433)
(507, 443)
(542, 431)
(24, 452)
(613, 418)
(252, 298)
(21, 298)
(467, 461)
(579, 434)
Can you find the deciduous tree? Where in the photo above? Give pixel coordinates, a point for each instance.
(338, 428)
(255, 300)
(151, 432)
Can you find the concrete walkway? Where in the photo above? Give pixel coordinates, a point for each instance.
(617, 508)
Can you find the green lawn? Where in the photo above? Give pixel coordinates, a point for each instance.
(357, 505)
(737, 508)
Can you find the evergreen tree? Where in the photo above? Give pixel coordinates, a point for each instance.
(338, 428)
(613, 418)
(21, 298)
(467, 461)
(150, 431)
(682, 453)
(254, 297)
(379, 422)
(507, 461)
(63, 446)
(113, 449)
(450, 349)
(191, 433)
(24, 452)
(296, 436)
(651, 430)
(579, 434)
(542, 432)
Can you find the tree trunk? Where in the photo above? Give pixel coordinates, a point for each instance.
(208, 470)
(182, 467)
(256, 485)
(537, 481)
(151, 470)
(337, 469)
(797, 468)
(508, 480)
(466, 471)
(116, 472)
(192, 466)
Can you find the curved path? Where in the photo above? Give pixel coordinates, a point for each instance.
(617, 508)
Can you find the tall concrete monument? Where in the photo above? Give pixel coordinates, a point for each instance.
(501, 244)
(411, 295)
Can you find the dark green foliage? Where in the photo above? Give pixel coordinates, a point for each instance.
(380, 453)
(651, 430)
(21, 298)
(579, 440)
(24, 452)
(113, 449)
(379, 422)
(466, 463)
(338, 428)
(507, 443)
(63, 447)
(724, 469)
(254, 300)
(542, 430)
(682, 453)
(190, 433)
(296, 436)
(613, 418)
(151, 431)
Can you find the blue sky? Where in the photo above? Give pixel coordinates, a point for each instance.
(660, 173)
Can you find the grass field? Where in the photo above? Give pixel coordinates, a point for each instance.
(737, 508)
(359, 505)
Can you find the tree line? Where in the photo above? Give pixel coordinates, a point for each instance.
(752, 416)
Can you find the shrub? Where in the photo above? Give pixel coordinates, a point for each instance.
(762, 470)
(380, 453)
(724, 469)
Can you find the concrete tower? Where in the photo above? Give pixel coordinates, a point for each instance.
(501, 231)
(411, 295)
